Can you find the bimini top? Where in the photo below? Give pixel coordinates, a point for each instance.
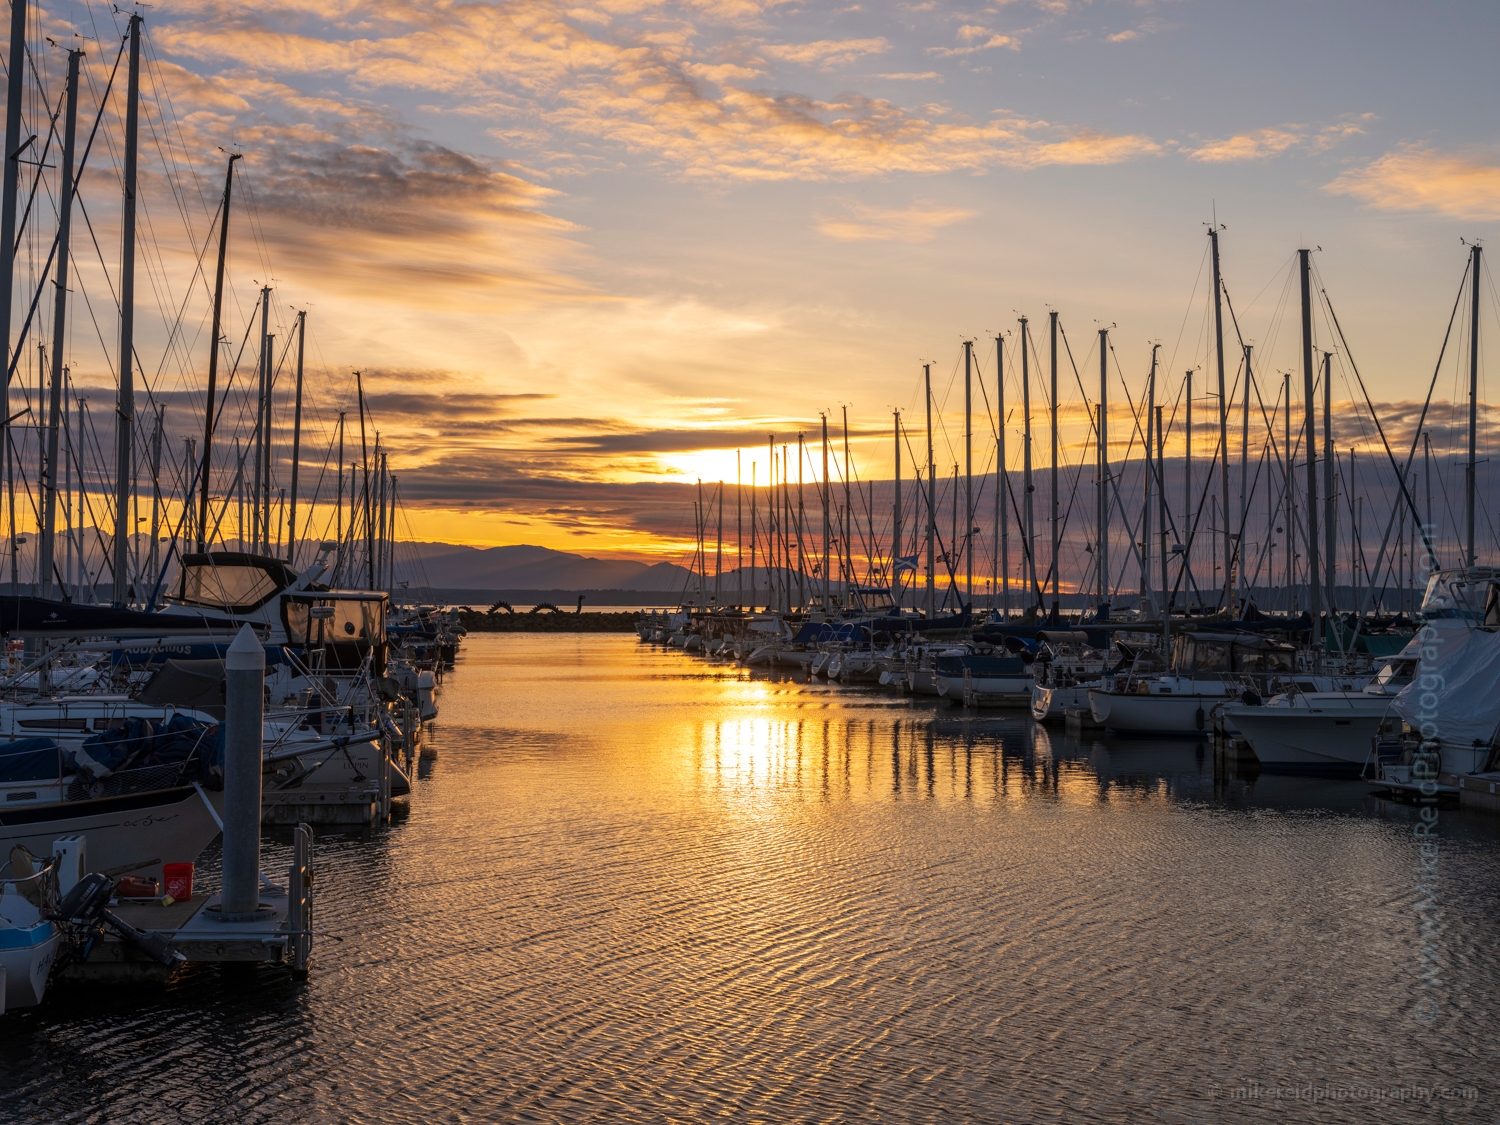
(231, 581)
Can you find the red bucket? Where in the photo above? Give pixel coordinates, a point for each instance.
(179, 880)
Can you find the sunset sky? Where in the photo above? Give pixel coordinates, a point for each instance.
(582, 252)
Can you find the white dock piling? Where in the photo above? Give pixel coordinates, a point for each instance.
(245, 676)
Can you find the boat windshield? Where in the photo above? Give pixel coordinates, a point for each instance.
(231, 581)
(1458, 594)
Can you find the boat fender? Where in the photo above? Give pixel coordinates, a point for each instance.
(1198, 718)
(1250, 697)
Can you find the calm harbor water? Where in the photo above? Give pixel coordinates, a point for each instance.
(636, 886)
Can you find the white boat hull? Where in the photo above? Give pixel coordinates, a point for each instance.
(1173, 716)
(1309, 740)
(1053, 704)
(986, 691)
(132, 834)
(26, 954)
(923, 682)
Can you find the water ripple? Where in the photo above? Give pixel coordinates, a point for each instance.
(636, 886)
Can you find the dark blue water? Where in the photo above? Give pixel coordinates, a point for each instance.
(638, 887)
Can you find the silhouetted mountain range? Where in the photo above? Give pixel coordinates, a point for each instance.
(524, 567)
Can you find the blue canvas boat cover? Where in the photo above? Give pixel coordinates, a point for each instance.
(33, 759)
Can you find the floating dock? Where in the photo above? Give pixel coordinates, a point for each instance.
(279, 931)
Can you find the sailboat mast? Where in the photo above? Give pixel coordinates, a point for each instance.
(1146, 487)
(125, 406)
(1330, 504)
(213, 357)
(752, 536)
(719, 553)
(59, 330)
(257, 510)
(154, 564)
(1002, 477)
(15, 88)
(827, 561)
(788, 522)
(1026, 486)
(801, 521)
(364, 456)
(382, 528)
(1185, 532)
(931, 499)
(739, 534)
(1239, 539)
(1056, 497)
(848, 514)
(338, 565)
(1161, 469)
(773, 584)
(1288, 488)
(1469, 469)
(896, 518)
(291, 511)
(1227, 539)
(1315, 606)
(1102, 549)
(969, 470)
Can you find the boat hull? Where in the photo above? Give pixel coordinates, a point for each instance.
(1300, 740)
(131, 834)
(986, 691)
(1165, 716)
(1051, 705)
(27, 953)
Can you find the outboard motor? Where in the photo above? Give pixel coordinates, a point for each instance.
(86, 907)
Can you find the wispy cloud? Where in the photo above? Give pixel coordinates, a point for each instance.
(1460, 185)
(1149, 26)
(917, 223)
(640, 90)
(1258, 144)
(977, 38)
(1272, 141)
(827, 52)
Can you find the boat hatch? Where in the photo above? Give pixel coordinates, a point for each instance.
(232, 581)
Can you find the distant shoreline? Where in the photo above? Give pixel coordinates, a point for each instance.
(564, 621)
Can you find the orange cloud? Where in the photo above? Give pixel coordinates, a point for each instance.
(1259, 144)
(828, 52)
(917, 223)
(646, 92)
(1460, 185)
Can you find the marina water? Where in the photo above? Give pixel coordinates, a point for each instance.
(636, 886)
